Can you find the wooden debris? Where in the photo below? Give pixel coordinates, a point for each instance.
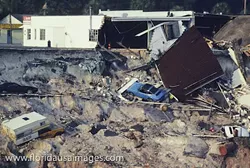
(208, 136)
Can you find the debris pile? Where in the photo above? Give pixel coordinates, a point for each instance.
(187, 107)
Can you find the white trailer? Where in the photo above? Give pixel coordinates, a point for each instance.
(24, 128)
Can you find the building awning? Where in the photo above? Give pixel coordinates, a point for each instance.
(11, 26)
(136, 19)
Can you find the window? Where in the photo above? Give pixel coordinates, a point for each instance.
(26, 118)
(44, 130)
(28, 34)
(153, 90)
(93, 35)
(42, 123)
(170, 32)
(19, 135)
(143, 90)
(28, 132)
(27, 138)
(42, 34)
(231, 131)
(148, 89)
(35, 34)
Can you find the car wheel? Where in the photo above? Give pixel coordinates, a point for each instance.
(130, 96)
(164, 108)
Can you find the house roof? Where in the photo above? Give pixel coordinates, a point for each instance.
(15, 19)
(142, 14)
(18, 17)
(143, 19)
(23, 120)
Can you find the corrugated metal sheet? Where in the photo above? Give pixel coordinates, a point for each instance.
(189, 64)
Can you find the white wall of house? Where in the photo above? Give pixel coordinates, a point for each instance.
(62, 31)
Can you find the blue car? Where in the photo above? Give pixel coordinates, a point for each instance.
(144, 91)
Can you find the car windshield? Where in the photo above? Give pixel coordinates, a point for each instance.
(147, 88)
(153, 90)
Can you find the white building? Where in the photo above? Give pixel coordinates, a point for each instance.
(62, 31)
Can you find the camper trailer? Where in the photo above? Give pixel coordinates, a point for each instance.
(25, 128)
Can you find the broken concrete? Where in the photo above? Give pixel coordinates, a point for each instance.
(238, 78)
(244, 100)
(196, 147)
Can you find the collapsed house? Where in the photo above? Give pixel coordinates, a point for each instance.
(163, 37)
(90, 111)
(188, 65)
(123, 26)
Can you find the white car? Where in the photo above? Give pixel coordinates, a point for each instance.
(235, 131)
(143, 91)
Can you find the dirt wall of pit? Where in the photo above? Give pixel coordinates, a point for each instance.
(34, 67)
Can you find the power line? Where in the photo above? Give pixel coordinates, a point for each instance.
(126, 30)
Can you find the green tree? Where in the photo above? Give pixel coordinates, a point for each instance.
(7, 6)
(177, 8)
(95, 5)
(20, 6)
(3, 6)
(65, 7)
(28, 6)
(142, 4)
(221, 7)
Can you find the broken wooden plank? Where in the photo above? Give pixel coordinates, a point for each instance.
(210, 112)
(219, 85)
(123, 46)
(208, 136)
(203, 101)
(42, 95)
(111, 53)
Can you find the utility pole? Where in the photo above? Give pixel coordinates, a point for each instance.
(45, 8)
(11, 21)
(90, 24)
(245, 7)
(90, 15)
